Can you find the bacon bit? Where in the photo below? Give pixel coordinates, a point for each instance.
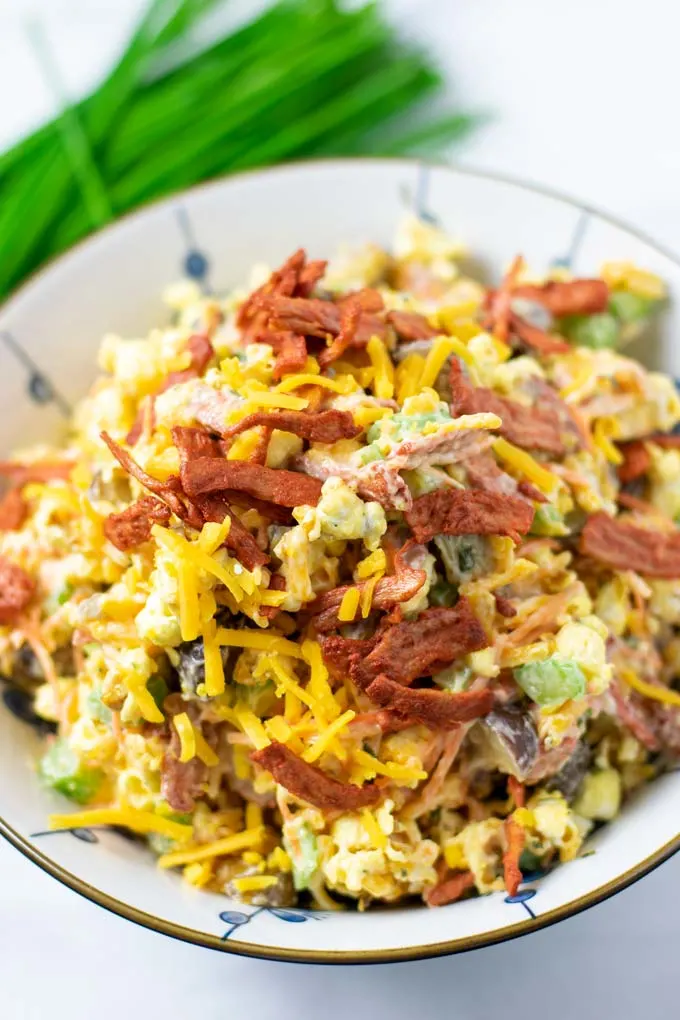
(166, 491)
(636, 461)
(389, 591)
(504, 607)
(282, 281)
(193, 443)
(314, 317)
(311, 784)
(500, 312)
(438, 710)
(290, 349)
(201, 352)
(634, 717)
(272, 512)
(23, 474)
(239, 540)
(182, 783)
(322, 427)
(13, 511)
(537, 339)
(277, 582)
(668, 442)
(514, 840)
(338, 651)
(452, 885)
(452, 511)
(285, 488)
(16, 591)
(642, 506)
(517, 791)
(411, 326)
(573, 297)
(533, 428)
(530, 491)
(129, 528)
(623, 546)
(369, 299)
(421, 647)
(309, 276)
(349, 323)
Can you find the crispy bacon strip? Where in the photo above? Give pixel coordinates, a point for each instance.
(411, 326)
(537, 339)
(167, 491)
(282, 281)
(504, 607)
(450, 888)
(623, 546)
(314, 317)
(349, 323)
(514, 844)
(322, 427)
(16, 591)
(132, 526)
(285, 488)
(533, 428)
(308, 783)
(368, 298)
(337, 652)
(438, 710)
(290, 349)
(420, 647)
(452, 511)
(13, 511)
(573, 297)
(23, 474)
(669, 441)
(193, 443)
(309, 276)
(636, 461)
(389, 592)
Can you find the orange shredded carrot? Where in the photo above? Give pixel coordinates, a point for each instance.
(514, 844)
(517, 791)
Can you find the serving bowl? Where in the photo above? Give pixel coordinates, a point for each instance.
(49, 334)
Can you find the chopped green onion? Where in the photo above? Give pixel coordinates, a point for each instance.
(597, 331)
(548, 521)
(304, 855)
(551, 681)
(61, 769)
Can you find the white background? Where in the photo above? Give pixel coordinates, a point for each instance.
(583, 98)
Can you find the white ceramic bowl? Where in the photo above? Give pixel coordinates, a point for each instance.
(49, 334)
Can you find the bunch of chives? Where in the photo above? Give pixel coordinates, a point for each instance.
(304, 78)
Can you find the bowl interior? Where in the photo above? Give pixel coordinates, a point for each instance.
(49, 335)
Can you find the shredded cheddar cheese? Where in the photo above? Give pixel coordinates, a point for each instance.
(323, 742)
(527, 465)
(187, 739)
(247, 840)
(143, 822)
(663, 694)
(383, 380)
(349, 605)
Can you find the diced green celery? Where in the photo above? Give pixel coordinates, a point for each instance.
(370, 453)
(630, 308)
(454, 679)
(548, 521)
(96, 707)
(61, 769)
(551, 681)
(597, 331)
(304, 855)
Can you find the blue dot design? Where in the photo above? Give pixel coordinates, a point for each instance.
(195, 263)
(236, 919)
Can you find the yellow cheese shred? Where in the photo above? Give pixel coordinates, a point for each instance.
(404, 773)
(214, 667)
(341, 384)
(370, 823)
(663, 694)
(367, 595)
(323, 742)
(349, 605)
(442, 347)
(251, 726)
(372, 564)
(407, 376)
(187, 739)
(258, 641)
(523, 462)
(604, 430)
(136, 821)
(187, 594)
(253, 815)
(246, 840)
(318, 685)
(383, 380)
(254, 883)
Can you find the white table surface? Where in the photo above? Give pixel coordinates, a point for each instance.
(583, 97)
